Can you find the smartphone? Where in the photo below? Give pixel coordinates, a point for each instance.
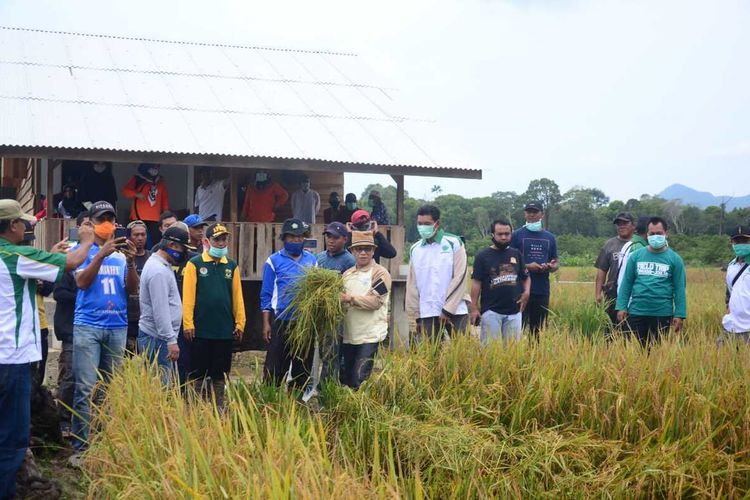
(122, 232)
(73, 234)
(310, 243)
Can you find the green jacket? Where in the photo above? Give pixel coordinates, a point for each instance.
(653, 285)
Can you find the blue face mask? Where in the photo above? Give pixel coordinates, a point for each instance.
(217, 253)
(534, 226)
(177, 257)
(293, 249)
(657, 241)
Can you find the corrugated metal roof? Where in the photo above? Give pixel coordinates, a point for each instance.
(95, 92)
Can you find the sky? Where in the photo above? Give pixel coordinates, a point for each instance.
(626, 96)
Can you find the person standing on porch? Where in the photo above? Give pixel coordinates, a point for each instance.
(209, 197)
(334, 213)
(305, 202)
(150, 196)
(263, 198)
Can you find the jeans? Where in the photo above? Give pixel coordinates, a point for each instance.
(432, 327)
(535, 315)
(505, 326)
(15, 423)
(156, 350)
(65, 381)
(358, 361)
(95, 351)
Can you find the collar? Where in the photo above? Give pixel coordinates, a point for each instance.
(637, 238)
(4, 242)
(342, 252)
(367, 267)
(284, 253)
(208, 258)
(435, 239)
(162, 260)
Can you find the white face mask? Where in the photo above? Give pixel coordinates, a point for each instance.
(99, 168)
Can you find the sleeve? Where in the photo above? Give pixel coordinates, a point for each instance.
(679, 283)
(66, 290)
(317, 202)
(293, 203)
(38, 264)
(552, 247)
(523, 273)
(281, 196)
(158, 296)
(266, 289)
(602, 261)
(238, 302)
(387, 251)
(478, 271)
(412, 293)
(514, 243)
(626, 287)
(372, 300)
(458, 286)
(197, 202)
(129, 190)
(164, 195)
(189, 283)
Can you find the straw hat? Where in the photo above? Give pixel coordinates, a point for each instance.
(362, 239)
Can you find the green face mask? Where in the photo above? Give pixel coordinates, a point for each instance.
(534, 226)
(741, 249)
(426, 231)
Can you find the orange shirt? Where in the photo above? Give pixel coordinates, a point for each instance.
(143, 209)
(259, 204)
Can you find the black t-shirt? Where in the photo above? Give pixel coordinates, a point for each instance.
(502, 273)
(134, 306)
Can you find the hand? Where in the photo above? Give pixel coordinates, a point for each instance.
(140, 196)
(676, 325)
(445, 317)
(374, 227)
(61, 246)
(534, 267)
(475, 316)
(189, 334)
(129, 251)
(346, 298)
(523, 300)
(622, 316)
(173, 352)
(86, 233)
(110, 247)
(237, 334)
(599, 297)
(267, 332)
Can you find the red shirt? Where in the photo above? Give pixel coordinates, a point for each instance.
(259, 204)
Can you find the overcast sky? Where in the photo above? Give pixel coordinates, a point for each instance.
(627, 96)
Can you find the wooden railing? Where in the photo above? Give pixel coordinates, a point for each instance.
(251, 243)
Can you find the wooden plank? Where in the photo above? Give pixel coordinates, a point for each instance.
(246, 250)
(262, 249)
(399, 198)
(233, 180)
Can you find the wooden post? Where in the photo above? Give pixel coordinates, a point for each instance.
(233, 194)
(49, 193)
(399, 198)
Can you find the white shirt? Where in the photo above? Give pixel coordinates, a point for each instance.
(210, 200)
(433, 273)
(305, 205)
(738, 318)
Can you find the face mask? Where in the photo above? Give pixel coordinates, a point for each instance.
(741, 249)
(261, 177)
(104, 230)
(217, 253)
(351, 205)
(501, 245)
(99, 168)
(153, 172)
(371, 202)
(306, 187)
(534, 226)
(293, 249)
(335, 204)
(177, 257)
(426, 231)
(657, 241)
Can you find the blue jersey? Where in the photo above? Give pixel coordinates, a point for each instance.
(539, 247)
(105, 303)
(280, 272)
(339, 262)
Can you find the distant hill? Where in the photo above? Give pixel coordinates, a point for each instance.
(702, 199)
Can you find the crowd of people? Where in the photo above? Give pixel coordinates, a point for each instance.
(179, 303)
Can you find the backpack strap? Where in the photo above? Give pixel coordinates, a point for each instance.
(736, 277)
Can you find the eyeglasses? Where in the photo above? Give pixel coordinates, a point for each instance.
(362, 249)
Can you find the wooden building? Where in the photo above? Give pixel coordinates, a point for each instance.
(71, 98)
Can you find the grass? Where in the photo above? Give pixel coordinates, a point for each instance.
(573, 416)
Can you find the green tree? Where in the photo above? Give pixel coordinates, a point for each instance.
(548, 192)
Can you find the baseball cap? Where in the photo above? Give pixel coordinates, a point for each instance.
(624, 216)
(534, 205)
(216, 229)
(194, 220)
(100, 208)
(295, 227)
(741, 232)
(11, 209)
(336, 229)
(176, 234)
(358, 215)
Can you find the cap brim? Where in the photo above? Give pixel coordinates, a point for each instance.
(354, 245)
(621, 219)
(27, 217)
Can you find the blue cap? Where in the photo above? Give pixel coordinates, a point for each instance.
(194, 220)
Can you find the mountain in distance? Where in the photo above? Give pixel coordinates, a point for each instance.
(702, 199)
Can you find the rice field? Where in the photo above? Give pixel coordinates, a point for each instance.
(573, 416)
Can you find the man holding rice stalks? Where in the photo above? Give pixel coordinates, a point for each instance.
(213, 312)
(367, 287)
(280, 273)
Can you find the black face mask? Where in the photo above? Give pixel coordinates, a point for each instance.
(335, 204)
(501, 245)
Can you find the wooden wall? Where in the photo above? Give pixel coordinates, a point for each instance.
(20, 175)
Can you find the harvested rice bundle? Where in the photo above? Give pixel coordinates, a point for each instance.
(317, 308)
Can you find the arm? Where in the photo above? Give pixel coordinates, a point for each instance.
(554, 264)
(132, 280)
(387, 251)
(189, 282)
(680, 296)
(164, 195)
(238, 302)
(281, 196)
(412, 294)
(158, 295)
(85, 277)
(129, 190)
(317, 203)
(626, 289)
(459, 283)
(598, 284)
(476, 289)
(372, 300)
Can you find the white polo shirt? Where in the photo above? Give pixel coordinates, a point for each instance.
(738, 318)
(210, 200)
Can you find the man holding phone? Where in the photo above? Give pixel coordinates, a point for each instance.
(100, 322)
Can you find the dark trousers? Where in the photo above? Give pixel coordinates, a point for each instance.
(358, 361)
(153, 234)
(279, 357)
(15, 423)
(40, 367)
(211, 358)
(330, 356)
(65, 382)
(648, 329)
(534, 317)
(433, 327)
(183, 362)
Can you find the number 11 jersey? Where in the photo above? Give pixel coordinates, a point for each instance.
(104, 304)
